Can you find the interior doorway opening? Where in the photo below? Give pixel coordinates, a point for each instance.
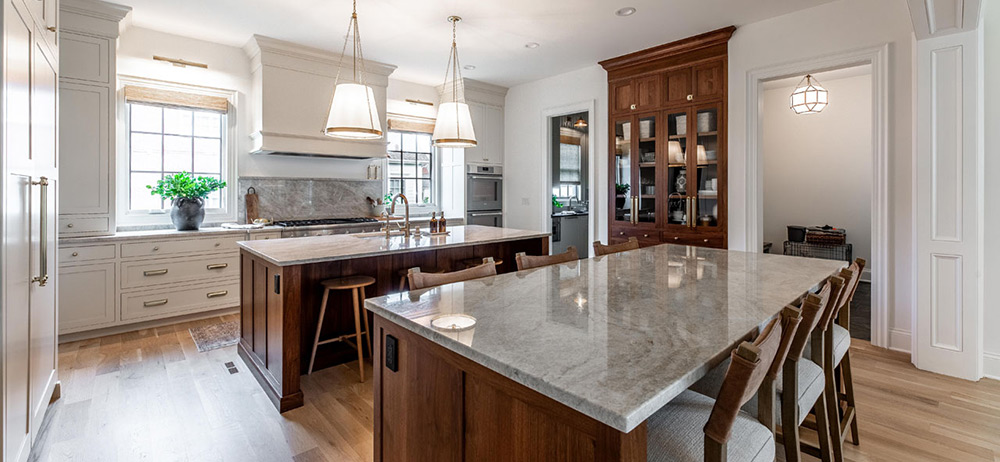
(569, 147)
(817, 174)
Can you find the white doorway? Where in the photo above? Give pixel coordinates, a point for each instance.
(817, 171)
(552, 119)
(878, 60)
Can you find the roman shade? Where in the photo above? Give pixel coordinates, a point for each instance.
(146, 95)
(402, 123)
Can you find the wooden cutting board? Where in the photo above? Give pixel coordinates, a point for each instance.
(253, 205)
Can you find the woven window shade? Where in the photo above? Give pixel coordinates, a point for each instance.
(135, 94)
(411, 124)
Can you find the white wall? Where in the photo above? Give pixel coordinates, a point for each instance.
(526, 202)
(827, 29)
(837, 139)
(229, 68)
(991, 346)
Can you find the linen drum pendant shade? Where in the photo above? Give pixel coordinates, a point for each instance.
(353, 113)
(453, 128)
(810, 98)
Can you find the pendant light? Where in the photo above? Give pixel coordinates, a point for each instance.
(580, 123)
(453, 128)
(353, 114)
(810, 98)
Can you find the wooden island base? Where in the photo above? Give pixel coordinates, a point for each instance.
(280, 306)
(441, 406)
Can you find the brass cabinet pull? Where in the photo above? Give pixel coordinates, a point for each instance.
(645, 235)
(43, 234)
(217, 266)
(159, 272)
(694, 213)
(159, 302)
(218, 244)
(632, 107)
(688, 212)
(76, 254)
(621, 233)
(51, 28)
(690, 97)
(70, 225)
(221, 293)
(706, 241)
(155, 248)
(676, 238)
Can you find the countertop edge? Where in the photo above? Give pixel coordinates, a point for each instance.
(308, 261)
(159, 234)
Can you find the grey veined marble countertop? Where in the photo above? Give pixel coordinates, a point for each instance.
(613, 337)
(315, 249)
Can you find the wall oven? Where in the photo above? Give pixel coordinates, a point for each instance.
(494, 219)
(484, 189)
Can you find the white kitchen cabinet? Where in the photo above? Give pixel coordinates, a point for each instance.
(87, 110)
(487, 121)
(86, 297)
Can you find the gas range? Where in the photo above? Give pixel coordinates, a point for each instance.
(326, 226)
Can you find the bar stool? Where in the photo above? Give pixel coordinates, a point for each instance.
(356, 284)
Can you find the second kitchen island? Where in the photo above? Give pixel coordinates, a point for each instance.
(280, 291)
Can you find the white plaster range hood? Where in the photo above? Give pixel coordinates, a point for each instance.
(290, 100)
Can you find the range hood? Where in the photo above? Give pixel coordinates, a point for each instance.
(290, 99)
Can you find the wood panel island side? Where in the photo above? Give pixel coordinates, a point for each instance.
(280, 291)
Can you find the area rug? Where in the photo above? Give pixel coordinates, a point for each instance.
(215, 336)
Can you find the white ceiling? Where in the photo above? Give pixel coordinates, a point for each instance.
(414, 35)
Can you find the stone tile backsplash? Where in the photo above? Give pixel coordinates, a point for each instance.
(304, 198)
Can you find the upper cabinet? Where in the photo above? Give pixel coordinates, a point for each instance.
(667, 140)
(87, 116)
(486, 103)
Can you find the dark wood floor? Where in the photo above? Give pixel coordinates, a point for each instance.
(151, 396)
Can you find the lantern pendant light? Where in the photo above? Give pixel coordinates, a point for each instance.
(353, 114)
(453, 128)
(810, 98)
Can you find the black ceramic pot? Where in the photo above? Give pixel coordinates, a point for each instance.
(187, 213)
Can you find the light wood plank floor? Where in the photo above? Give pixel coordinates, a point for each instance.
(151, 396)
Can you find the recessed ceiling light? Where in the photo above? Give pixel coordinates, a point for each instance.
(469, 67)
(627, 11)
(532, 45)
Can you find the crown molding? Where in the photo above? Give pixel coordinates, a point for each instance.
(259, 46)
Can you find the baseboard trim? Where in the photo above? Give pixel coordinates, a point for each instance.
(89, 334)
(991, 365)
(900, 340)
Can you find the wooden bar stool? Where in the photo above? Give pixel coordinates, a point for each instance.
(356, 284)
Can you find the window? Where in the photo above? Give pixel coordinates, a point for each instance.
(167, 140)
(166, 128)
(411, 167)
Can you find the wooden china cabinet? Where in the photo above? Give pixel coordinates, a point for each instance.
(667, 171)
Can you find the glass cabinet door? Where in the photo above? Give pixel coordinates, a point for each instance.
(646, 192)
(706, 162)
(622, 171)
(677, 174)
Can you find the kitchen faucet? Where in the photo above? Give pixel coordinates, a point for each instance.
(392, 210)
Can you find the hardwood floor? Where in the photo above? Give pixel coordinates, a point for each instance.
(150, 395)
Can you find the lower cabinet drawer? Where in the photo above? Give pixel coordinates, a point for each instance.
(715, 242)
(175, 301)
(69, 226)
(165, 247)
(146, 273)
(646, 237)
(70, 255)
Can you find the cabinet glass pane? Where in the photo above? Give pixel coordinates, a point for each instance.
(677, 171)
(647, 170)
(707, 212)
(623, 171)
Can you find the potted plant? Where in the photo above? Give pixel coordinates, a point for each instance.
(187, 197)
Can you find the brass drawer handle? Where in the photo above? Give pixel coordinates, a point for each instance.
(706, 240)
(70, 225)
(51, 28)
(159, 272)
(159, 302)
(218, 244)
(156, 248)
(621, 233)
(645, 235)
(221, 293)
(76, 254)
(217, 266)
(690, 98)
(677, 238)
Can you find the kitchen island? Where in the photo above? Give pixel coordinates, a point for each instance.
(566, 362)
(280, 291)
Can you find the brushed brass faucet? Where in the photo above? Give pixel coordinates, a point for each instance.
(392, 210)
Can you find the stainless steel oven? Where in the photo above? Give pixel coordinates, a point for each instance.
(494, 219)
(484, 188)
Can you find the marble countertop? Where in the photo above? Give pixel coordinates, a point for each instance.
(161, 233)
(315, 249)
(613, 337)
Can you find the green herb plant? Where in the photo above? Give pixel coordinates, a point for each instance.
(555, 203)
(183, 185)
